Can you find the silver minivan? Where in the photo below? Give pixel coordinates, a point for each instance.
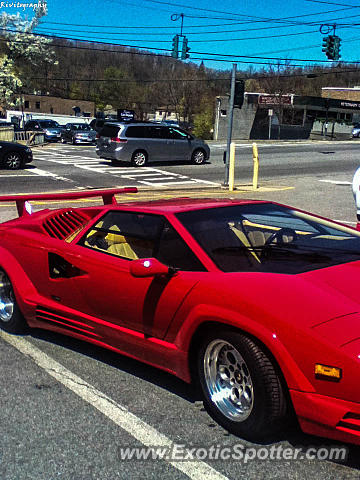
(141, 143)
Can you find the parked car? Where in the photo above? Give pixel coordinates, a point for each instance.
(78, 133)
(255, 302)
(51, 128)
(356, 131)
(141, 143)
(14, 155)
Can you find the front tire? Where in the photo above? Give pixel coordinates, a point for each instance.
(241, 387)
(198, 157)
(11, 319)
(139, 158)
(13, 161)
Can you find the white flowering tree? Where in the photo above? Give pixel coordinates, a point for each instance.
(18, 48)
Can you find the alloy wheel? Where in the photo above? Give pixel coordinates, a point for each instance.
(7, 299)
(13, 161)
(228, 380)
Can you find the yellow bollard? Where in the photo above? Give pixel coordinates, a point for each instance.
(231, 167)
(256, 166)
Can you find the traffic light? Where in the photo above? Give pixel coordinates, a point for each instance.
(239, 93)
(175, 47)
(331, 47)
(337, 41)
(185, 50)
(326, 44)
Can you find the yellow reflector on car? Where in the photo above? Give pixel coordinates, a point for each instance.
(331, 373)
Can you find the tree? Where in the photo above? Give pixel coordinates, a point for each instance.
(18, 49)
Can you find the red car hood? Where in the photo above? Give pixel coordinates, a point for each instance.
(342, 330)
(343, 278)
(303, 300)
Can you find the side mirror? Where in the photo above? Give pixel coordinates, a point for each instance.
(148, 267)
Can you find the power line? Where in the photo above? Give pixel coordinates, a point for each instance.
(42, 28)
(204, 41)
(333, 3)
(137, 27)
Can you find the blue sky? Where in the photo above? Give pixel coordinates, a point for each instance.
(275, 29)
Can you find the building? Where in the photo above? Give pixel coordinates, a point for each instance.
(341, 93)
(56, 105)
(266, 116)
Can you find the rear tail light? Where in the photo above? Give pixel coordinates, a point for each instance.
(97, 136)
(118, 140)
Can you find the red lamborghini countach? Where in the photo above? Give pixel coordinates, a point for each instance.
(256, 302)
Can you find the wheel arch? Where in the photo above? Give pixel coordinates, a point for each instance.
(289, 371)
(21, 283)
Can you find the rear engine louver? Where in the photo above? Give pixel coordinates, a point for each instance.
(61, 225)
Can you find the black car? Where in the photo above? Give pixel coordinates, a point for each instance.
(51, 128)
(14, 155)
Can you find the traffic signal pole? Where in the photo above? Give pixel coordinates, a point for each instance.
(230, 124)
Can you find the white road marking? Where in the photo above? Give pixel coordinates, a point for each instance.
(337, 182)
(44, 173)
(132, 173)
(120, 415)
(15, 175)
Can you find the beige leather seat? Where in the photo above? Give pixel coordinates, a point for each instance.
(126, 246)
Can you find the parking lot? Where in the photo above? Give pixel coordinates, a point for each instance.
(69, 410)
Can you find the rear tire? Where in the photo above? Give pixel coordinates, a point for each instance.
(241, 387)
(139, 158)
(11, 319)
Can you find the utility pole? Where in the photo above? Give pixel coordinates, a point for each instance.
(230, 124)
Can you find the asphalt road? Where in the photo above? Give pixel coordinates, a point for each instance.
(319, 173)
(67, 408)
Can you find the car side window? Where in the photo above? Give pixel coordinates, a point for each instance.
(177, 134)
(156, 132)
(135, 132)
(174, 252)
(131, 235)
(125, 234)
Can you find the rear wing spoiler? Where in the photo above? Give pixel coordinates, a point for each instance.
(24, 208)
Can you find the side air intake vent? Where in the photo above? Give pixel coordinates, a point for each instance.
(61, 225)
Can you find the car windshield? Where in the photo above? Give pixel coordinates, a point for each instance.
(49, 124)
(270, 238)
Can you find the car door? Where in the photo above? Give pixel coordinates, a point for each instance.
(178, 144)
(156, 142)
(111, 293)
